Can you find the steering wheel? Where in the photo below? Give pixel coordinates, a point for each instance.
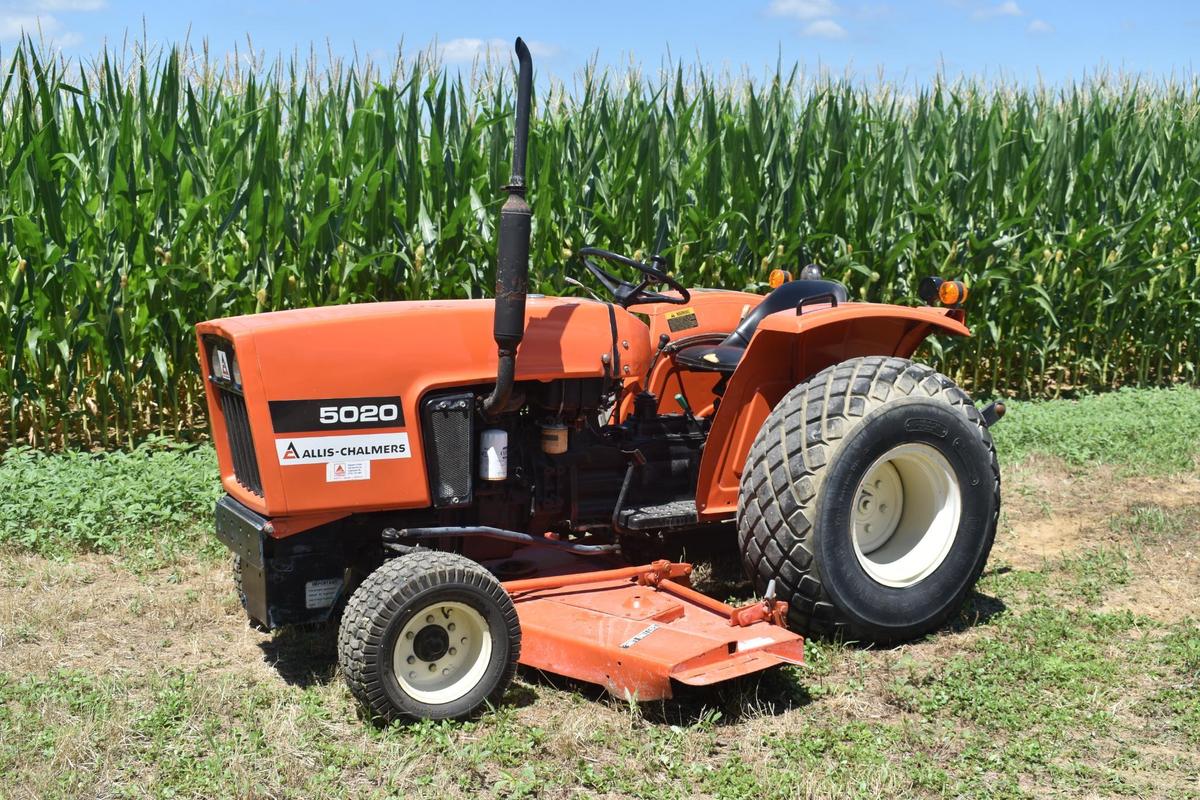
(627, 294)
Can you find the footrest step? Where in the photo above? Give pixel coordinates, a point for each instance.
(673, 514)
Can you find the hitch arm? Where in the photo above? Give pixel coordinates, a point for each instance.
(768, 609)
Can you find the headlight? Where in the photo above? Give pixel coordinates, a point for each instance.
(237, 372)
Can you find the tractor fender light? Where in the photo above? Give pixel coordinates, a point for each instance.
(937, 290)
(778, 277)
(952, 293)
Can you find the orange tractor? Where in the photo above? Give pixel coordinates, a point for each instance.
(466, 505)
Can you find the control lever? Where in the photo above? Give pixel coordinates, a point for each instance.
(663, 340)
(686, 406)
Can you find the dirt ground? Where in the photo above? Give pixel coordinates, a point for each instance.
(1050, 512)
(94, 616)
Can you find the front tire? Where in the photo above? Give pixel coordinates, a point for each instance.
(428, 635)
(871, 496)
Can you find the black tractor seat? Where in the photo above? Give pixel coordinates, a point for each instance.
(723, 356)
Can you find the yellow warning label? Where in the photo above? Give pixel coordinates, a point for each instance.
(682, 319)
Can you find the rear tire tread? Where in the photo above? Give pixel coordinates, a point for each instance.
(783, 474)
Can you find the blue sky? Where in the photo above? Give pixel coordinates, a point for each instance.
(908, 40)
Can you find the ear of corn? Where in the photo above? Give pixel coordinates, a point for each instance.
(142, 193)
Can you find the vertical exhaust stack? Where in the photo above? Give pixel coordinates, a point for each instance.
(512, 264)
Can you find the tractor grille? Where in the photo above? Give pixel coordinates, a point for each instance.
(241, 446)
(226, 381)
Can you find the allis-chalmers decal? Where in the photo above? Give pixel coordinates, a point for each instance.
(336, 414)
(324, 449)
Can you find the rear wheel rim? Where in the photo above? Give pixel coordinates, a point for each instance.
(907, 509)
(442, 652)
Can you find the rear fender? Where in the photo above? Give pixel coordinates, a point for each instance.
(786, 350)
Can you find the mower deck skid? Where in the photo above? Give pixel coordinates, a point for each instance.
(635, 630)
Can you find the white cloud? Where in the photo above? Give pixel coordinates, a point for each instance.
(802, 9)
(29, 18)
(1008, 8)
(824, 29)
(13, 26)
(468, 49)
(1040, 26)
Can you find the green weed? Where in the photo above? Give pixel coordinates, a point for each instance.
(149, 504)
(1151, 431)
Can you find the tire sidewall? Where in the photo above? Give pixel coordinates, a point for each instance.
(891, 612)
(411, 604)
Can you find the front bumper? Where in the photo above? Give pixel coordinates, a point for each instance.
(292, 581)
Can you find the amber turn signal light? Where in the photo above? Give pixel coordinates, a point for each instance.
(952, 293)
(778, 277)
(948, 293)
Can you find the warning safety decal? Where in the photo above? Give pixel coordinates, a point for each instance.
(327, 449)
(682, 319)
(338, 471)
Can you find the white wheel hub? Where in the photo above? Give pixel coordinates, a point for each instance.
(906, 513)
(442, 652)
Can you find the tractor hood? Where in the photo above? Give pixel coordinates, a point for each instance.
(384, 353)
(446, 339)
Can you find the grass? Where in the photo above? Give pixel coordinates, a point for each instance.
(1148, 431)
(1037, 700)
(1071, 672)
(151, 505)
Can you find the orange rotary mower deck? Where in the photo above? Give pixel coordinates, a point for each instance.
(635, 630)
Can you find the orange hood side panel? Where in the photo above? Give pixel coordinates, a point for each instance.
(387, 350)
(786, 350)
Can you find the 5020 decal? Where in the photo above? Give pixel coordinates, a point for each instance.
(336, 413)
(367, 412)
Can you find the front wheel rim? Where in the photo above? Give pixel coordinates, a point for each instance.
(442, 652)
(907, 509)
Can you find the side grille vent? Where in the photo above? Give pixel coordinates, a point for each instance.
(226, 380)
(237, 425)
(448, 428)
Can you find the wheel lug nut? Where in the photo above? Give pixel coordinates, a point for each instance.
(433, 667)
(429, 618)
(411, 659)
(412, 674)
(463, 640)
(453, 651)
(408, 635)
(450, 627)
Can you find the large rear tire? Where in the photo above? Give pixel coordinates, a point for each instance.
(871, 496)
(428, 635)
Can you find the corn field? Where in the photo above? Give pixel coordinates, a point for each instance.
(143, 192)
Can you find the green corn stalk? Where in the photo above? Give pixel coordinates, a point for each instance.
(142, 192)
